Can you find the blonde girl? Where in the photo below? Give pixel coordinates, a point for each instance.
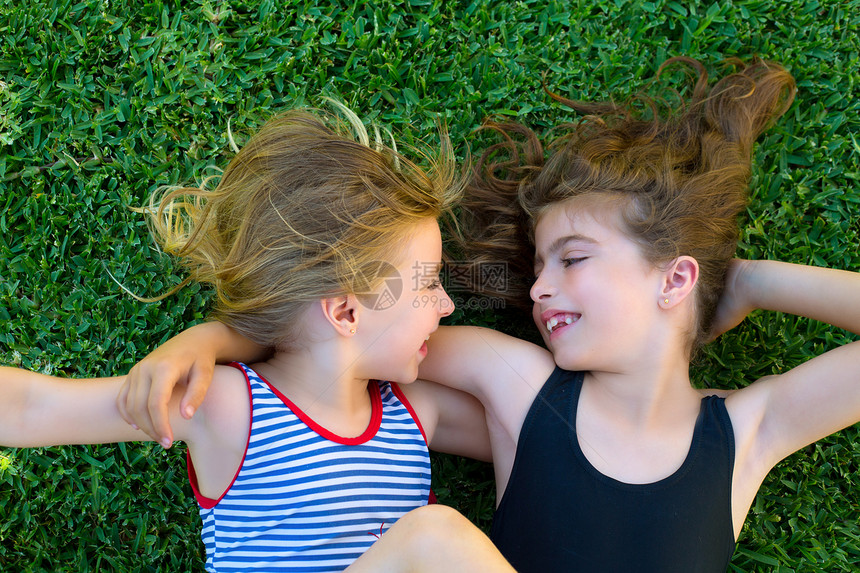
(303, 461)
(606, 458)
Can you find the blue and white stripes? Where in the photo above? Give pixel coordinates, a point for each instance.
(307, 500)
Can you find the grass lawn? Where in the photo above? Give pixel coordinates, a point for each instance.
(102, 102)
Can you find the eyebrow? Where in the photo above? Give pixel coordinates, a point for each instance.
(561, 242)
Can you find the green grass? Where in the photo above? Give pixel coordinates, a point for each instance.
(101, 102)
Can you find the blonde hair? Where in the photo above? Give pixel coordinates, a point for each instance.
(307, 209)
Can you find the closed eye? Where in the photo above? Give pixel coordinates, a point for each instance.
(569, 262)
(434, 284)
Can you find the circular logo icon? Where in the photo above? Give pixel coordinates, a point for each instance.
(389, 290)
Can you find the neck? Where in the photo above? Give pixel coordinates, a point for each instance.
(647, 391)
(323, 386)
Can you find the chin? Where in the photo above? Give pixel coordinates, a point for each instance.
(567, 362)
(406, 377)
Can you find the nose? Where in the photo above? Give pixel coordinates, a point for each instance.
(446, 305)
(541, 288)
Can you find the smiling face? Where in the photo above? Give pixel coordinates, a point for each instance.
(595, 296)
(396, 332)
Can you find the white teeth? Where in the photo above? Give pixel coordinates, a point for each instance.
(553, 322)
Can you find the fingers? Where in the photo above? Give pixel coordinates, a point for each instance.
(198, 383)
(189, 359)
(144, 399)
(138, 404)
(157, 401)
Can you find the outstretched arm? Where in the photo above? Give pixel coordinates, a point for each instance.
(40, 410)
(187, 359)
(786, 412)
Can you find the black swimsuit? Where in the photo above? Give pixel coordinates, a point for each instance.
(559, 513)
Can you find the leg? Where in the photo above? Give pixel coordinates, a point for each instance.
(430, 539)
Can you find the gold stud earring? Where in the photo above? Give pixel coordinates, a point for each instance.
(665, 301)
(352, 331)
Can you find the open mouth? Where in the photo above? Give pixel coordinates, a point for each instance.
(560, 320)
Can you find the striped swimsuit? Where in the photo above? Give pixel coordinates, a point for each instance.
(307, 500)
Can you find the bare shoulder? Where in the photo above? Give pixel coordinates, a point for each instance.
(229, 385)
(479, 336)
(755, 453)
(229, 377)
(747, 405)
(225, 412)
(222, 425)
(812, 400)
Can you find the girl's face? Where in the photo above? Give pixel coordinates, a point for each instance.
(397, 327)
(595, 296)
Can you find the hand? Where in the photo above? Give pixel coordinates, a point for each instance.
(734, 304)
(144, 397)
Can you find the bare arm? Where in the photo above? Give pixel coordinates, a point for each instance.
(480, 360)
(785, 412)
(454, 421)
(188, 359)
(40, 410)
(734, 304)
(503, 372)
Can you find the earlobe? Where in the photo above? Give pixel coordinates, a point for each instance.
(342, 313)
(679, 281)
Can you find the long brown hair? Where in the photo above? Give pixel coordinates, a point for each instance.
(683, 176)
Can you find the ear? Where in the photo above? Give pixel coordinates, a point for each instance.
(342, 313)
(679, 280)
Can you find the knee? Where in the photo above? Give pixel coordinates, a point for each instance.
(436, 524)
(433, 515)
